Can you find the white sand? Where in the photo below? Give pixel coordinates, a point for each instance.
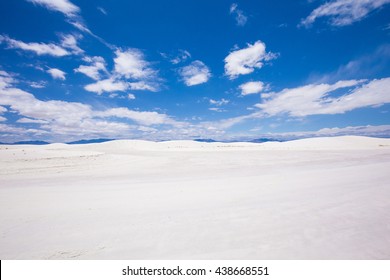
(322, 198)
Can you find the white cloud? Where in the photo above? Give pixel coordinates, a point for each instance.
(111, 85)
(219, 102)
(72, 120)
(144, 118)
(69, 42)
(238, 14)
(131, 96)
(343, 12)
(251, 87)
(194, 74)
(5, 79)
(368, 130)
(182, 56)
(38, 48)
(129, 65)
(2, 109)
(64, 6)
(245, 61)
(28, 120)
(143, 85)
(97, 65)
(40, 84)
(103, 11)
(227, 123)
(217, 109)
(132, 64)
(315, 99)
(107, 85)
(57, 73)
(72, 14)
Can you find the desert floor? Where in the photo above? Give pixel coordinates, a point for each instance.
(320, 198)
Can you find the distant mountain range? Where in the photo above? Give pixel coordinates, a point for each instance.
(101, 140)
(90, 141)
(26, 143)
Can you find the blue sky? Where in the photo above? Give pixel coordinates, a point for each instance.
(157, 70)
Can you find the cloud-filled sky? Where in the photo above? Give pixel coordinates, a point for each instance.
(158, 70)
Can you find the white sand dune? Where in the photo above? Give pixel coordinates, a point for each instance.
(320, 198)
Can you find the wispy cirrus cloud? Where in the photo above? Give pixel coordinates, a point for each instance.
(343, 12)
(102, 10)
(40, 84)
(176, 57)
(319, 99)
(63, 6)
(315, 99)
(72, 14)
(365, 130)
(38, 48)
(67, 46)
(245, 61)
(221, 102)
(238, 14)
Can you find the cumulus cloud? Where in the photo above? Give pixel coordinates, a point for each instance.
(131, 96)
(238, 14)
(251, 87)
(143, 85)
(70, 43)
(315, 99)
(131, 71)
(38, 48)
(245, 61)
(194, 74)
(56, 73)
(131, 64)
(96, 66)
(5, 79)
(63, 119)
(112, 85)
(343, 12)
(107, 85)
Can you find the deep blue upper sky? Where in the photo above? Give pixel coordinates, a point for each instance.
(148, 69)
